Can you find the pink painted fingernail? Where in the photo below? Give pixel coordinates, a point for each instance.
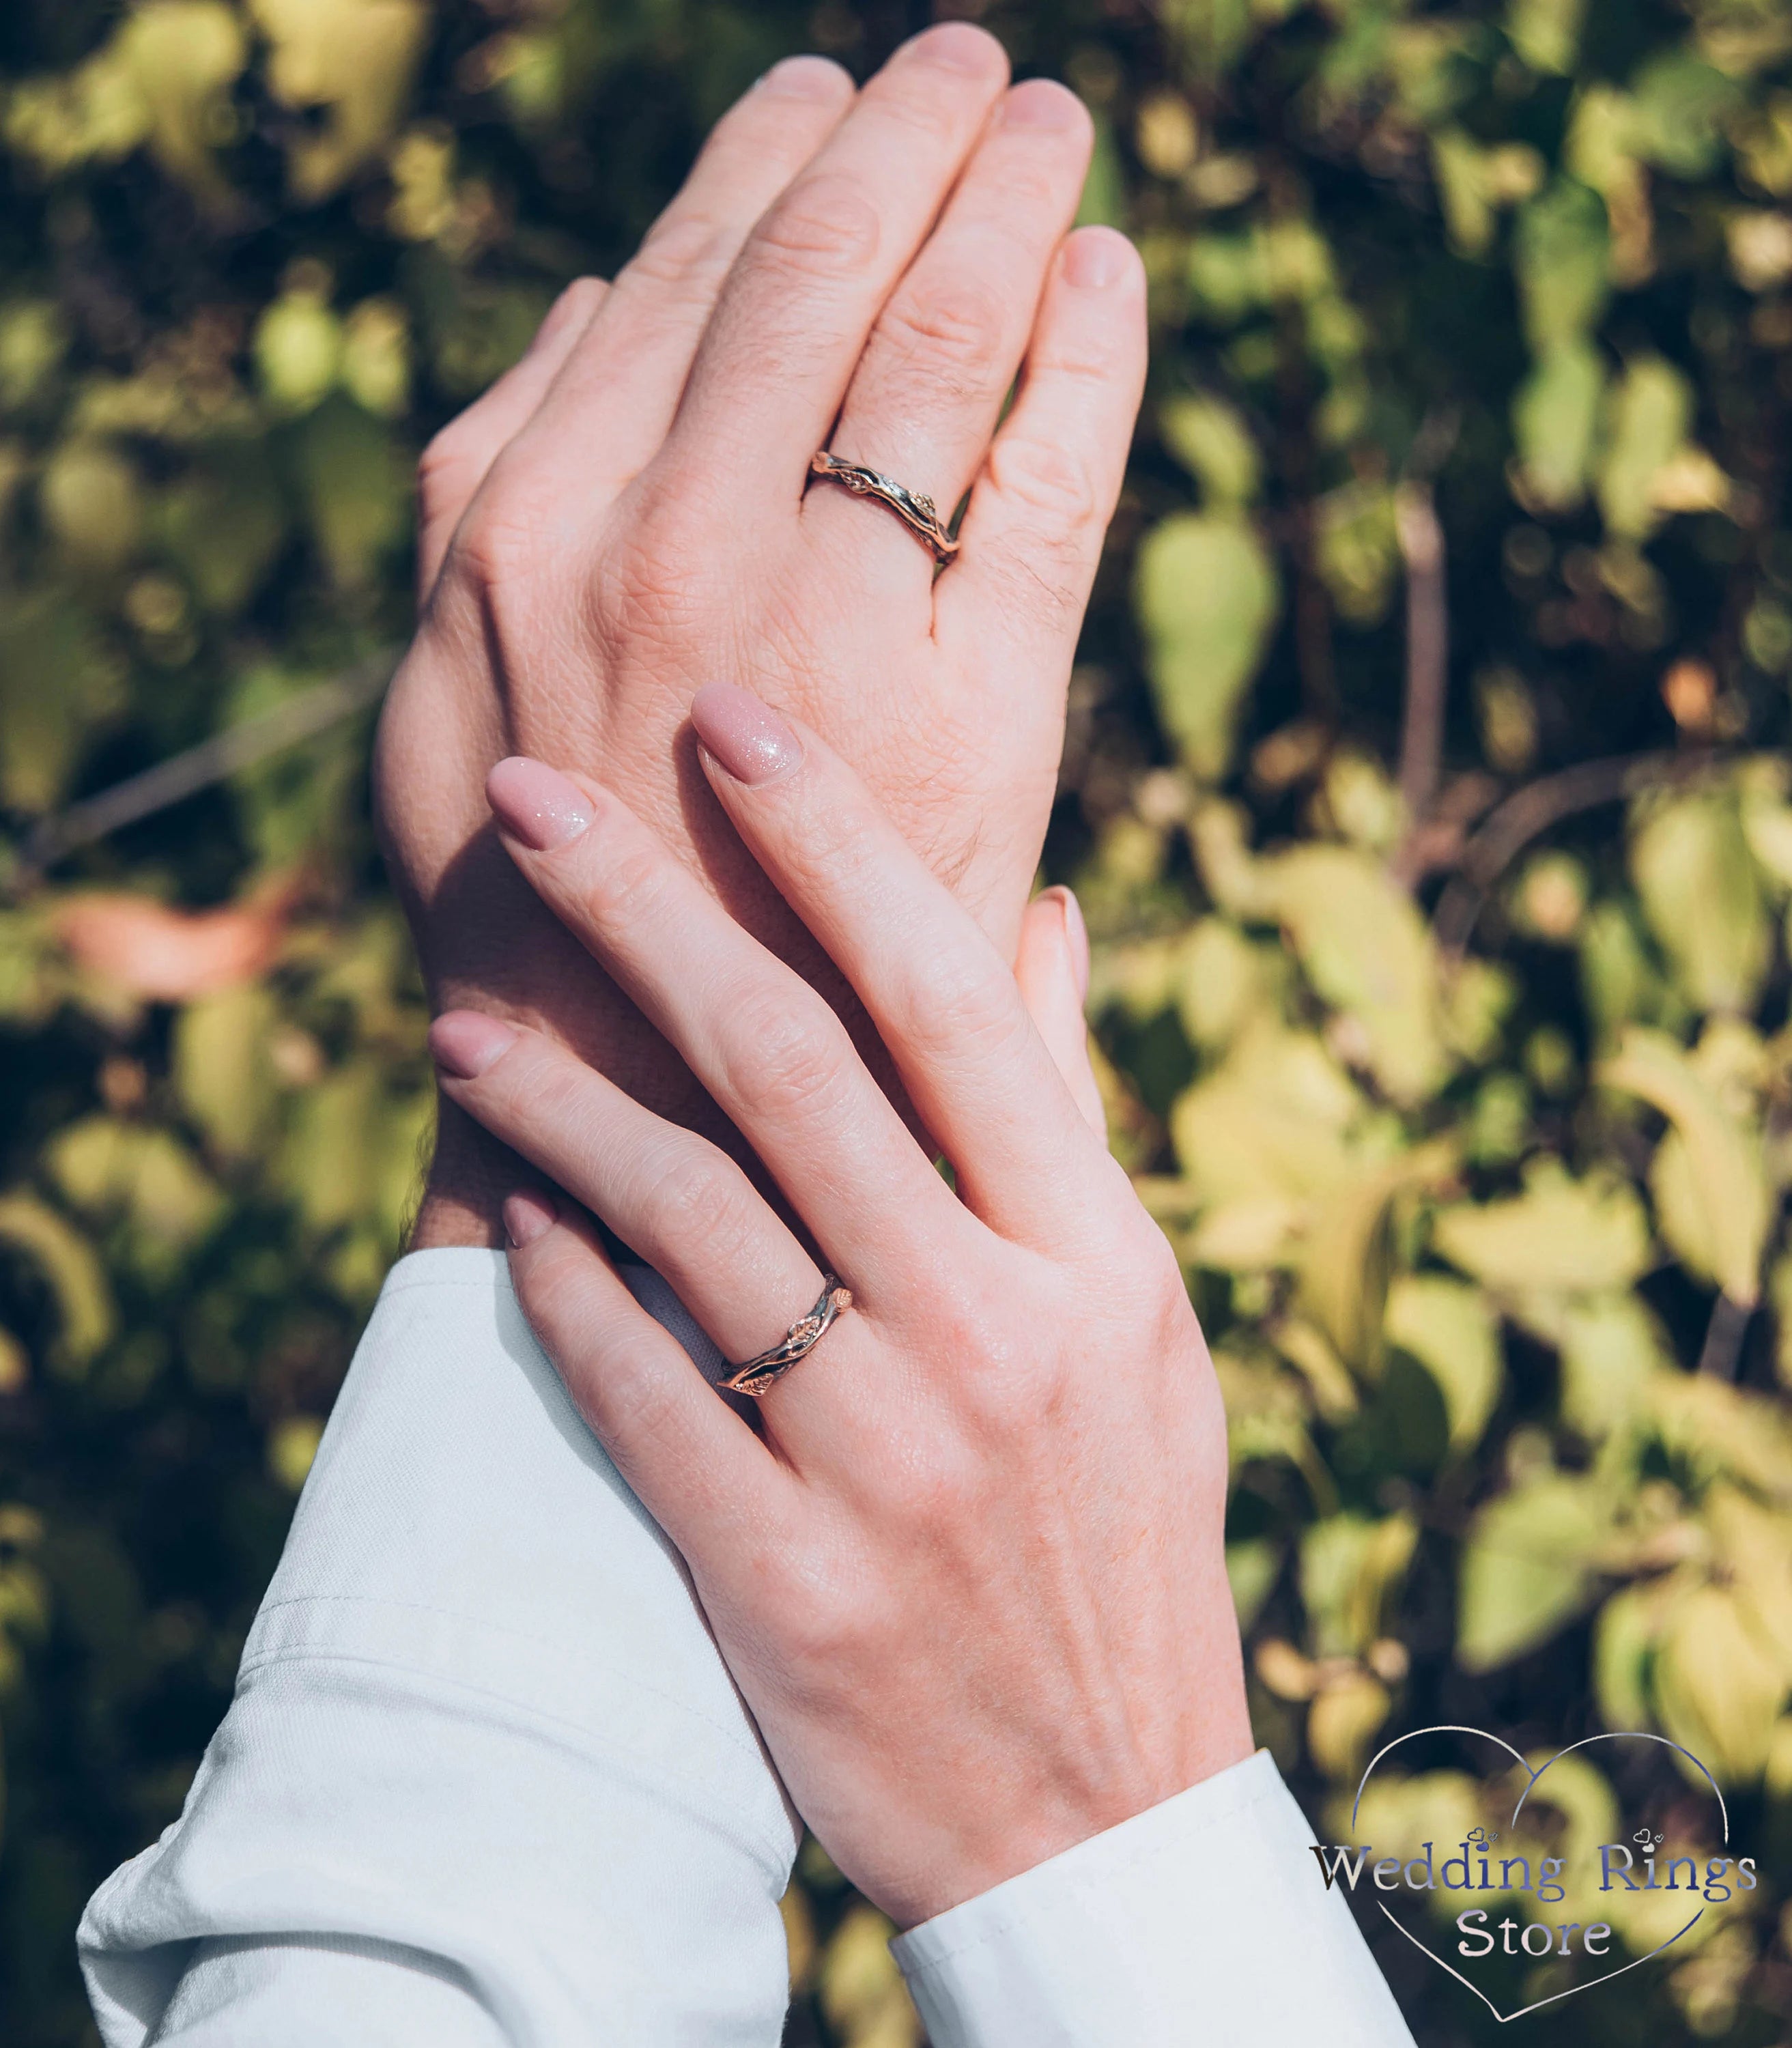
(1096, 259)
(537, 804)
(528, 1214)
(464, 1043)
(747, 737)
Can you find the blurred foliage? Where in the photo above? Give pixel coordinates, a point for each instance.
(1464, 1089)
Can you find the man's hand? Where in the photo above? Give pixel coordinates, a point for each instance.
(624, 516)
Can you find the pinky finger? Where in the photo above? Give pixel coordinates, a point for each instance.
(1038, 514)
(1052, 970)
(696, 1467)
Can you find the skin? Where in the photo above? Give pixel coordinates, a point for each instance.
(626, 515)
(969, 1576)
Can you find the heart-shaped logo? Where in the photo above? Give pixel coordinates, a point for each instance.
(1478, 1843)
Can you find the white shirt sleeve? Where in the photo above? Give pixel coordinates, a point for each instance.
(486, 1784)
(485, 1779)
(1202, 1923)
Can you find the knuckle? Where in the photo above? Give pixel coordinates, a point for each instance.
(443, 462)
(824, 225)
(1048, 478)
(628, 883)
(683, 251)
(967, 1004)
(499, 539)
(788, 1055)
(691, 1188)
(951, 329)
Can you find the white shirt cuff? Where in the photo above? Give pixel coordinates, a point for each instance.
(1204, 1920)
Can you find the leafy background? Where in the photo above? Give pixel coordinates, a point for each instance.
(1426, 789)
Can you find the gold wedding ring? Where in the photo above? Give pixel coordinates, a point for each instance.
(916, 512)
(799, 1340)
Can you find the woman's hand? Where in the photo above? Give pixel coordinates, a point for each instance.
(971, 1580)
(628, 512)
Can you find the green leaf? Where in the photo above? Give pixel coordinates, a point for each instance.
(1350, 1570)
(1701, 894)
(1207, 600)
(71, 1268)
(1718, 1686)
(1209, 439)
(1546, 33)
(1560, 1236)
(1612, 1348)
(1528, 1567)
(223, 523)
(1562, 255)
(356, 484)
(1366, 950)
(1650, 408)
(1555, 416)
(223, 1068)
(1711, 1193)
(1451, 1330)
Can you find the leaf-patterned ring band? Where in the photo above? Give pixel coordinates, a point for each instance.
(799, 1340)
(916, 512)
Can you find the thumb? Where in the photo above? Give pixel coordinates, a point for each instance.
(1052, 969)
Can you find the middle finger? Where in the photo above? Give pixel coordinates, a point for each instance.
(927, 394)
(794, 315)
(772, 1054)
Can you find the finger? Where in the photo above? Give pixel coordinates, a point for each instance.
(674, 1199)
(930, 389)
(610, 407)
(774, 1056)
(455, 464)
(696, 1467)
(943, 999)
(1032, 531)
(792, 318)
(1052, 972)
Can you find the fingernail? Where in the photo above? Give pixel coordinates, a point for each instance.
(1076, 938)
(527, 1216)
(464, 1042)
(536, 803)
(1040, 103)
(804, 78)
(957, 46)
(748, 737)
(1096, 259)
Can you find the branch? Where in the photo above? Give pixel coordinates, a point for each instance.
(214, 760)
(1533, 810)
(1428, 643)
(1723, 1338)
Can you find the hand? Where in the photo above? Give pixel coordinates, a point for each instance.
(625, 516)
(972, 1580)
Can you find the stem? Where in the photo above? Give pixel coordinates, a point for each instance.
(1533, 810)
(212, 760)
(1723, 1338)
(1420, 536)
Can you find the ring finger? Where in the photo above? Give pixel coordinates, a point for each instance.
(677, 1201)
(928, 391)
(673, 1198)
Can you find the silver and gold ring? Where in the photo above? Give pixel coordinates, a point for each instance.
(797, 1342)
(917, 511)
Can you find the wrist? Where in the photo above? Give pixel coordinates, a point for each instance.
(469, 1174)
